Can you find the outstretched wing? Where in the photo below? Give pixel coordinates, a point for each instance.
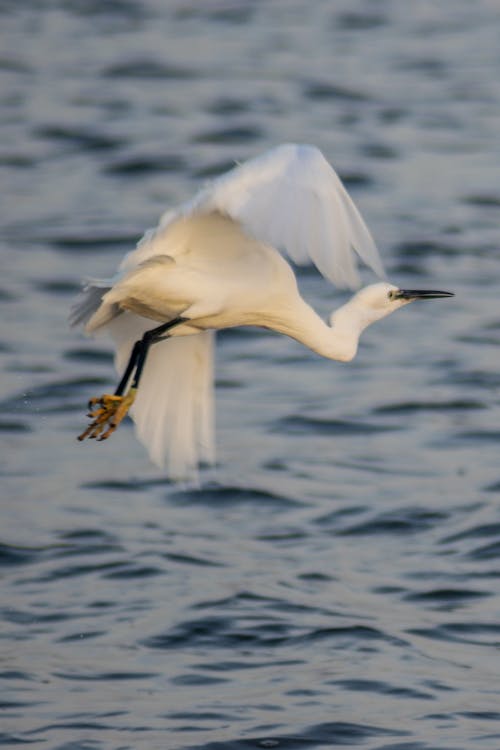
(291, 198)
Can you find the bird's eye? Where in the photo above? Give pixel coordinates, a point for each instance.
(391, 294)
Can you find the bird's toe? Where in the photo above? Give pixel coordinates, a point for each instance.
(106, 413)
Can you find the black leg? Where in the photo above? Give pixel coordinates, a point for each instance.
(139, 353)
(122, 385)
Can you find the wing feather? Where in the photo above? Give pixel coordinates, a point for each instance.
(173, 411)
(291, 198)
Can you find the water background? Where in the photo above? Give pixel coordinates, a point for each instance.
(336, 584)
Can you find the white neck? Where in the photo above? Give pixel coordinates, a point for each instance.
(338, 341)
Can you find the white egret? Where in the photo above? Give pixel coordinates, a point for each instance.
(217, 262)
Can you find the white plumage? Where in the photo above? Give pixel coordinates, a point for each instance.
(215, 262)
(292, 199)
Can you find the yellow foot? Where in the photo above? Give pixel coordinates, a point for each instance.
(107, 412)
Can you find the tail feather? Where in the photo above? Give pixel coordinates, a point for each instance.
(88, 302)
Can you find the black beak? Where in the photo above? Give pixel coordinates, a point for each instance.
(411, 294)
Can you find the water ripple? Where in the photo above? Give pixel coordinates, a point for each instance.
(149, 69)
(225, 495)
(402, 521)
(326, 734)
(299, 424)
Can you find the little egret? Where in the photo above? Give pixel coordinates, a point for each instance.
(216, 262)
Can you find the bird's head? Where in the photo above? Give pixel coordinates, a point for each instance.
(375, 301)
(379, 300)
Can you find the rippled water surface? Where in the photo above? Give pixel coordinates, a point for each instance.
(336, 582)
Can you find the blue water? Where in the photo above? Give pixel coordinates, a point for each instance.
(336, 582)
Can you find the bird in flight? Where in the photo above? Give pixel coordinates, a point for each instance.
(219, 261)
